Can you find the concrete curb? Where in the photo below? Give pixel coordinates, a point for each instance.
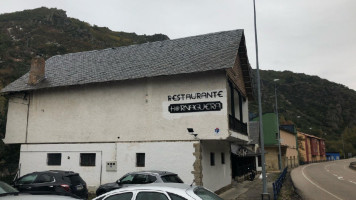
(297, 191)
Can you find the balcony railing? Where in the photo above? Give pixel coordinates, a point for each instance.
(237, 125)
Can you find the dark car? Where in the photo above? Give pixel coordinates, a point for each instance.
(142, 177)
(55, 181)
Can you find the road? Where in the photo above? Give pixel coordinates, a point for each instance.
(332, 180)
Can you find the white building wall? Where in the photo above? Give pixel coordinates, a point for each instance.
(176, 157)
(34, 158)
(217, 176)
(132, 110)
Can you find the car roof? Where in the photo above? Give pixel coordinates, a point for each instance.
(157, 172)
(56, 172)
(26, 196)
(169, 187)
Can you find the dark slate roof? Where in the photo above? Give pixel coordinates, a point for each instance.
(200, 53)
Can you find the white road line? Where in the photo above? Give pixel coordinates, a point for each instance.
(335, 174)
(318, 185)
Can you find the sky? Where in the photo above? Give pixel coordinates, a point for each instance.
(315, 37)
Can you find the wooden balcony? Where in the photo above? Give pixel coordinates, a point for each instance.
(237, 125)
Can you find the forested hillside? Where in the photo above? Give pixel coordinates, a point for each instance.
(317, 106)
(48, 32)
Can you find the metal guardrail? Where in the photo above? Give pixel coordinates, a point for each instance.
(277, 185)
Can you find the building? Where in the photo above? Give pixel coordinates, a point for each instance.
(288, 138)
(176, 105)
(312, 148)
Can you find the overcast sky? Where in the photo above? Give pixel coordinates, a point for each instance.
(315, 37)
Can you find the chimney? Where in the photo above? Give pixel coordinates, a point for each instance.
(37, 71)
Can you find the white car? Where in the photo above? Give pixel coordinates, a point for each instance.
(160, 191)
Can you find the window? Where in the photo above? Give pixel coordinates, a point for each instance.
(27, 179)
(127, 179)
(176, 197)
(171, 179)
(54, 158)
(44, 178)
(140, 159)
(123, 196)
(222, 158)
(206, 194)
(235, 103)
(259, 161)
(151, 196)
(212, 159)
(87, 159)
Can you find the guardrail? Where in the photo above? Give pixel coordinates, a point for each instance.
(277, 185)
(353, 165)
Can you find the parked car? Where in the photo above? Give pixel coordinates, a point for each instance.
(54, 181)
(160, 191)
(142, 177)
(9, 193)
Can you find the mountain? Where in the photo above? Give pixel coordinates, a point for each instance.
(48, 32)
(316, 106)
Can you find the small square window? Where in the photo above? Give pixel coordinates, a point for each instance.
(222, 158)
(87, 159)
(212, 159)
(54, 158)
(140, 159)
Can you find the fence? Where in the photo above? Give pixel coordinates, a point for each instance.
(277, 185)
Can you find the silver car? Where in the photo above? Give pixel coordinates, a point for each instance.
(160, 191)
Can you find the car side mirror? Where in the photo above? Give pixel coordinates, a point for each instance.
(118, 182)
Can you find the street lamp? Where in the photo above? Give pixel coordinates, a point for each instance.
(277, 121)
(264, 178)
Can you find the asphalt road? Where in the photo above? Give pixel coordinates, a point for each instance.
(332, 180)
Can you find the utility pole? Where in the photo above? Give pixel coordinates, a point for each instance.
(277, 121)
(264, 193)
(343, 146)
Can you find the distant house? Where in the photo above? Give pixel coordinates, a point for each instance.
(312, 148)
(288, 135)
(176, 105)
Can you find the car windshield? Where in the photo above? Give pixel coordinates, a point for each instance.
(171, 179)
(206, 194)
(6, 189)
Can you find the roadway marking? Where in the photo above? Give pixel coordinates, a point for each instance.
(318, 185)
(340, 178)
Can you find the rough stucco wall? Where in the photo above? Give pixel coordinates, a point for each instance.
(289, 139)
(272, 158)
(135, 110)
(16, 120)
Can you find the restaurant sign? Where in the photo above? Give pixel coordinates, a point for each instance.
(195, 107)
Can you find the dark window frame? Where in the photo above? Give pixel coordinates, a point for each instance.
(140, 159)
(222, 158)
(232, 101)
(54, 159)
(86, 159)
(212, 159)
